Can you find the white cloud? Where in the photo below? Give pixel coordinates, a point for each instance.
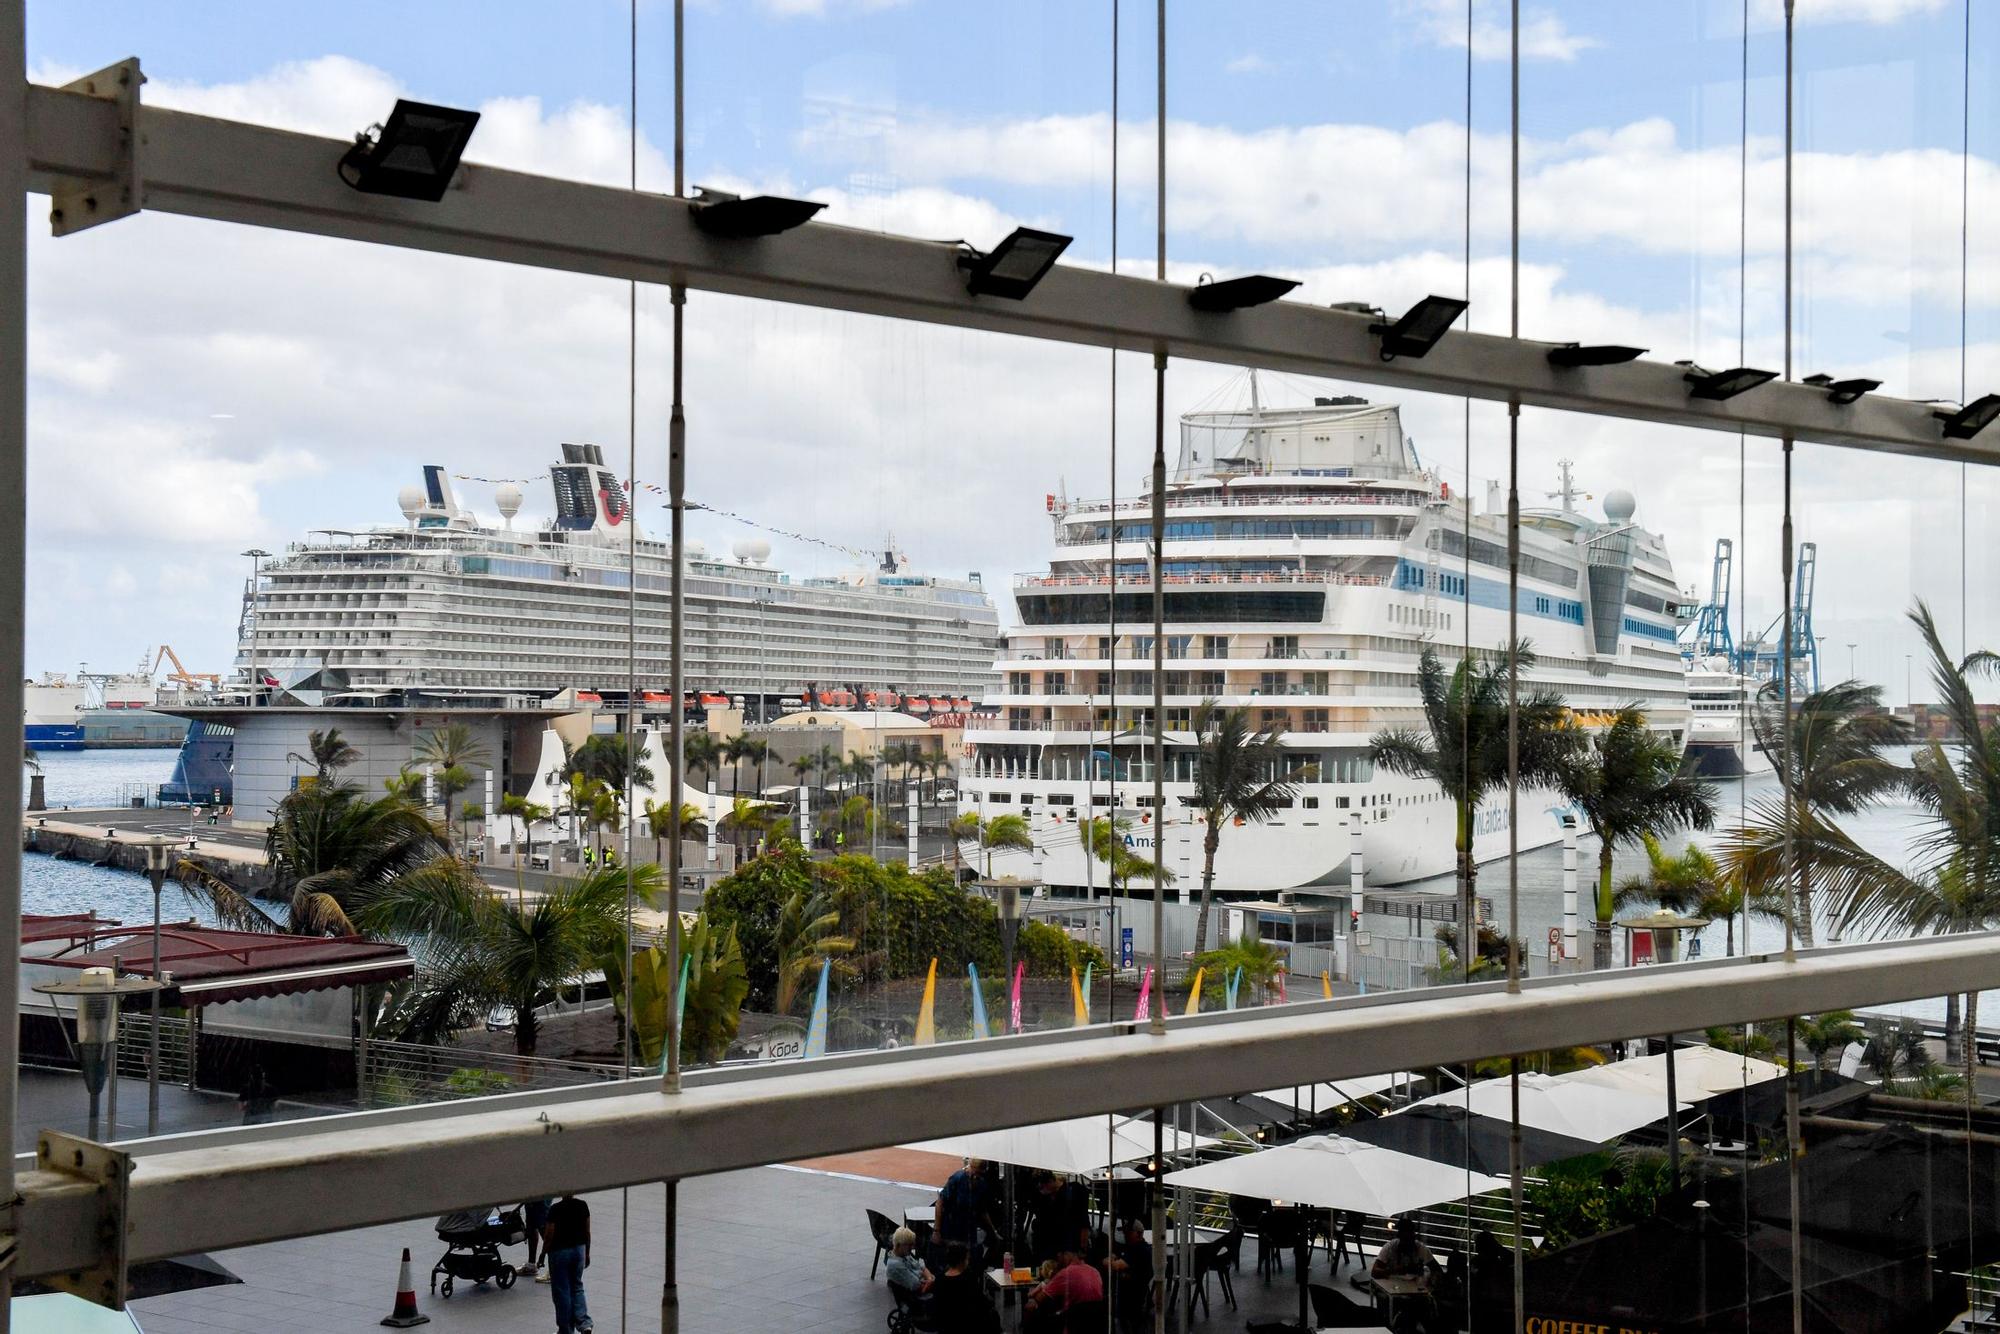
(821, 8)
(1250, 63)
(1543, 34)
(1771, 13)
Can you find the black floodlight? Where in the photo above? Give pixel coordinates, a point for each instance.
(1968, 421)
(1843, 392)
(1420, 328)
(1720, 385)
(1236, 293)
(1012, 268)
(1356, 308)
(1571, 355)
(740, 219)
(412, 155)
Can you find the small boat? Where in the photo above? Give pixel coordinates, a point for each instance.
(915, 705)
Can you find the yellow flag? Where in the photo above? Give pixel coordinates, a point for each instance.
(1326, 985)
(926, 1021)
(1194, 992)
(1076, 998)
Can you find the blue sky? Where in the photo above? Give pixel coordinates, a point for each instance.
(1314, 139)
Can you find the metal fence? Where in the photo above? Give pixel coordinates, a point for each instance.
(399, 1074)
(135, 1050)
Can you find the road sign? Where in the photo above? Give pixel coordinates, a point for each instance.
(1124, 947)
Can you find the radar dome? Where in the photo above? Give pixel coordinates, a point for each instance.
(1620, 505)
(694, 548)
(410, 500)
(751, 550)
(508, 498)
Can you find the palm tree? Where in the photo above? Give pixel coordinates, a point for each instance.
(963, 828)
(1005, 831)
(1104, 839)
(1696, 883)
(802, 769)
(483, 950)
(700, 754)
(453, 751)
(1626, 783)
(529, 814)
(660, 824)
(745, 820)
(610, 760)
(1829, 1032)
(897, 756)
(1836, 767)
(1239, 775)
(828, 760)
(807, 934)
(327, 752)
(1463, 748)
(328, 847)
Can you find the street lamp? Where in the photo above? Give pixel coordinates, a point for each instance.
(1012, 909)
(97, 992)
(159, 858)
(257, 557)
(1850, 660)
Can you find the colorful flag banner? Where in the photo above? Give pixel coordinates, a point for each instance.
(1283, 999)
(1326, 986)
(1086, 989)
(816, 1026)
(1020, 971)
(1081, 1015)
(927, 1012)
(979, 1029)
(1145, 993)
(1194, 992)
(1230, 986)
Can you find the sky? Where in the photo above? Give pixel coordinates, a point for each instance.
(197, 390)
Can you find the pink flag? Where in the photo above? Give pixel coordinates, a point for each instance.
(1145, 991)
(1019, 970)
(1283, 999)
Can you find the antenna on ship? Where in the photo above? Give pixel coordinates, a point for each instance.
(1256, 419)
(1566, 492)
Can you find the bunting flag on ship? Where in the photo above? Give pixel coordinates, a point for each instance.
(926, 1013)
(816, 1026)
(979, 1029)
(1194, 992)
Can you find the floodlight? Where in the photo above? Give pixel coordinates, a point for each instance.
(722, 214)
(1420, 328)
(1356, 307)
(412, 155)
(1571, 355)
(1968, 421)
(1236, 293)
(1012, 268)
(1720, 385)
(1843, 392)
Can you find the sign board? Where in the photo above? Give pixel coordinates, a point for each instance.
(1233, 922)
(1555, 944)
(1124, 947)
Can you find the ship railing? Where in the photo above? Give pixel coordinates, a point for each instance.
(1333, 577)
(1258, 499)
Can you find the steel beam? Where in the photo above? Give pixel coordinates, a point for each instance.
(233, 172)
(221, 1189)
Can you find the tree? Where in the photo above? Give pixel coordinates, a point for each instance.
(329, 847)
(718, 982)
(327, 752)
(611, 761)
(1005, 831)
(802, 769)
(745, 820)
(962, 828)
(1104, 840)
(1835, 767)
(482, 950)
(660, 824)
(452, 751)
(1241, 775)
(1829, 1032)
(700, 754)
(828, 760)
(530, 814)
(1463, 747)
(406, 784)
(808, 935)
(1260, 961)
(1626, 784)
(1696, 883)
(897, 757)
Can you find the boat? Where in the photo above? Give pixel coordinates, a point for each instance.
(1721, 741)
(1310, 558)
(96, 711)
(454, 608)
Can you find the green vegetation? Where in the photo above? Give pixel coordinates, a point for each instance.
(1581, 1197)
(1242, 773)
(1260, 961)
(451, 752)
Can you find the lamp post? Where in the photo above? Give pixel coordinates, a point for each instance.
(97, 992)
(159, 856)
(1850, 660)
(257, 556)
(1012, 908)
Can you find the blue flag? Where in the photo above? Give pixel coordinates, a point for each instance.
(816, 1027)
(978, 1004)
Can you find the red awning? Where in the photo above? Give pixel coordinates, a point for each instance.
(210, 965)
(63, 926)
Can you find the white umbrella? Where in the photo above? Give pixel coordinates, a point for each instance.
(1078, 1146)
(1322, 1097)
(1700, 1073)
(1334, 1172)
(1563, 1104)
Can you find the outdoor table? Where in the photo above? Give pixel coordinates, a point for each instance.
(922, 1213)
(1389, 1291)
(1010, 1291)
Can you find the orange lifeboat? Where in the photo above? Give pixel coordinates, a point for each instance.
(917, 706)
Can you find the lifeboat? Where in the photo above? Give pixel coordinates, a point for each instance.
(589, 697)
(655, 697)
(919, 707)
(961, 706)
(940, 706)
(709, 701)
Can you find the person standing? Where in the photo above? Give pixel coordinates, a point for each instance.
(566, 1251)
(536, 1215)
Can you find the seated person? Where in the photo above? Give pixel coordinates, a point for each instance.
(958, 1301)
(1073, 1284)
(905, 1270)
(1403, 1256)
(1132, 1272)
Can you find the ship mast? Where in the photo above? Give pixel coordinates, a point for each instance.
(1256, 421)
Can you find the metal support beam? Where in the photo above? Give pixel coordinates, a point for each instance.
(220, 1189)
(227, 171)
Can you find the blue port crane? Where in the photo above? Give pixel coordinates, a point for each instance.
(1708, 635)
(1765, 655)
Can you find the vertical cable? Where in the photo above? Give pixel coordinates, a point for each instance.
(1466, 952)
(1797, 905)
(631, 648)
(1111, 600)
(670, 1302)
(1514, 656)
(1739, 558)
(1157, 1019)
(1964, 274)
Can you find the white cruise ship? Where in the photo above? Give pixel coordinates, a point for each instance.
(1721, 742)
(1309, 559)
(454, 608)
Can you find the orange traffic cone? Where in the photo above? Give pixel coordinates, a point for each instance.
(405, 1313)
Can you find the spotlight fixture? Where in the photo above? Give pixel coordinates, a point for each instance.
(1418, 331)
(1356, 307)
(1720, 385)
(1236, 293)
(412, 155)
(722, 214)
(1843, 392)
(1968, 421)
(1012, 268)
(1572, 355)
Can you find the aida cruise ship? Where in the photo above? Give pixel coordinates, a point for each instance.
(1309, 560)
(455, 607)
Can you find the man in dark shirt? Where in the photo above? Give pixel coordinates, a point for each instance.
(1131, 1269)
(964, 1205)
(566, 1249)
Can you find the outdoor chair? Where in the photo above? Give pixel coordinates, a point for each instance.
(1282, 1230)
(1334, 1310)
(884, 1229)
(1084, 1318)
(1216, 1257)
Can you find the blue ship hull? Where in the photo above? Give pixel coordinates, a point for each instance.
(55, 736)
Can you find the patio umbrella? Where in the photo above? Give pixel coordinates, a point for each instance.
(1558, 1103)
(1078, 1146)
(1335, 1172)
(1447, 1133)
(1334, 1093)
(1700, 1073)
(157, 1278)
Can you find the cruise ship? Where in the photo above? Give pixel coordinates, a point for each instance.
(1310, 558)
(1721, 741)
(458, 610)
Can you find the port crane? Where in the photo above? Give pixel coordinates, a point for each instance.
(1708, 636)
(1765, 655)
(180, 675)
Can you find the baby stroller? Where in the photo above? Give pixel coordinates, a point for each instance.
(473, 1248)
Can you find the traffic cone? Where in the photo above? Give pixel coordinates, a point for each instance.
(405, 1313)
